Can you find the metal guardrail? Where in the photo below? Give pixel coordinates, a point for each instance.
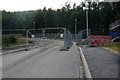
(115, 24)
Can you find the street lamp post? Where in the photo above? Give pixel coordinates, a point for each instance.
(87, 5)
(75, 29)
(34, 27)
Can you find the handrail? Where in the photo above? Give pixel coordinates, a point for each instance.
(115, 24)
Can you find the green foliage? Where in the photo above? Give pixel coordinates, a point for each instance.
(8, 39)
(11, 40)
(17, 20)
(99, 18)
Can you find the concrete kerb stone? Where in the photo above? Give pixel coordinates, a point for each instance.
(85, 66)
(18, 50)
(12, 51)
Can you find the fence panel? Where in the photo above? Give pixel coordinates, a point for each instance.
(43, 37)
(21, 39)
(67, 39)
(95, 38)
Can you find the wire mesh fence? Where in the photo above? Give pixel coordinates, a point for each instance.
(53, 33)
(67, 40)
(95, 38)
(21, 39)
(79, 39)
(42, 37)
(82, 38)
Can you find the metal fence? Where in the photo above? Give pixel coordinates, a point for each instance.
(33, 38)
(67, 40)
(82, 38)
(95, 38)
(39, 36)
(21, 39)
(79, 38)
(53, 33)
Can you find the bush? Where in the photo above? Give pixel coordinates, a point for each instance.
(9, 40)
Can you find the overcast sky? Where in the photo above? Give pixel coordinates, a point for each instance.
(21, 5)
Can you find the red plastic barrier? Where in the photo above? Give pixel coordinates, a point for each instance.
(98, 40)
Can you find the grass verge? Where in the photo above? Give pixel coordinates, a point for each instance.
(115, 47)
(19, 40)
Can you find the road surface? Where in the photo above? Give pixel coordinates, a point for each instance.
(49, 63)
(102, 63)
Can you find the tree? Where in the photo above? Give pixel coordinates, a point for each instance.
(100, 17)
(39, 20)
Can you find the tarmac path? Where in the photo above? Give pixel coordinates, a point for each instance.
(102, 63)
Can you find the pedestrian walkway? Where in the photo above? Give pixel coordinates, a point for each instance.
(102, 63)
